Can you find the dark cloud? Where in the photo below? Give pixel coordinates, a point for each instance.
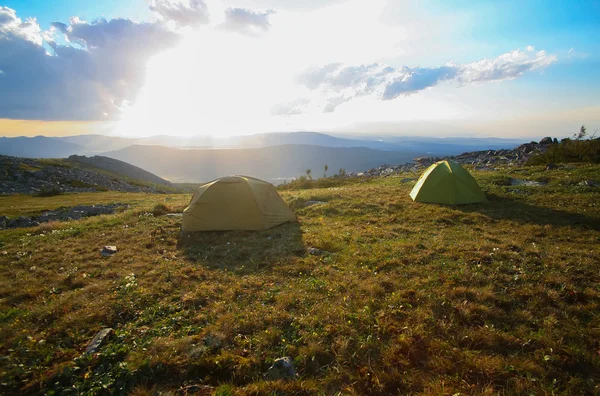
(338, 84)
(194, 13)
(247, 21)
(44, 80)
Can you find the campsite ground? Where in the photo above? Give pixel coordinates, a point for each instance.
(406, 297)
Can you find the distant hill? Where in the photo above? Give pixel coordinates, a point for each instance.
(270, 163)
(60, 147)
(117, 167)
(76, 174)
(38, 147)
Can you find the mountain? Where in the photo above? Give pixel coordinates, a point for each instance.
(38, 147)
(439, 146)
(43, 147)
(76, 174)
(117, 167)
(274, 163)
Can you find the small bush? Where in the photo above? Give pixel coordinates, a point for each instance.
(49, 192)
(303, 183)
(569, 151)
(45, 228)
(160, 210)
(78, 184)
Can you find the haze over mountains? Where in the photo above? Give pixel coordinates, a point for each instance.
(274, 156)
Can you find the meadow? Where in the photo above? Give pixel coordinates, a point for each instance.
(403, 297)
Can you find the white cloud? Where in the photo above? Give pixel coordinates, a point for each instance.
(336, 83)
(247, 21)
(44, 80)
(188, 13)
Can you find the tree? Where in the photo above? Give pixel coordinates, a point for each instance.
(582, 133)
(342, 172)
(325, 173)
(309, 174)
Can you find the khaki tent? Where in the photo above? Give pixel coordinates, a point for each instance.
(235, 203)
(446, 182)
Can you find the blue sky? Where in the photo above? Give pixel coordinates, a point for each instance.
(501, 68)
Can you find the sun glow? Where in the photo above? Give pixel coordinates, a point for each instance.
(221, 83)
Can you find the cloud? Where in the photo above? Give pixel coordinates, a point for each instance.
(336, 83)
(191, 13)
(91, 80)
(246, 21)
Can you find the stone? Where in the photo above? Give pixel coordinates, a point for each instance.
(546, 140)
(527, 183)
(316, 252)
(550, 166)
(589, 183)
(99, 339)
(108, 251)
(311, 203)
(282, 368)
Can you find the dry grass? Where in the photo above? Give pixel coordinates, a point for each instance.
(501, 298)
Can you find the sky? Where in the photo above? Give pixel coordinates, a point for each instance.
(510, 68)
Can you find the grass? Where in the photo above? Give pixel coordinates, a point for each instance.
(497, 298)
(27, 205)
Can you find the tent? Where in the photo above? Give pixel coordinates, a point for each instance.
(446, 182)
(235, 203)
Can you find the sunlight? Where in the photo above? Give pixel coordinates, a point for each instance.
(221, 83)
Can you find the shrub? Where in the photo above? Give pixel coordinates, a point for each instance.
(569, 151)
(45, 228)
(160, 210)
(48, 192)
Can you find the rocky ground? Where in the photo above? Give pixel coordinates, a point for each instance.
(74, 213)
(482, 160)
(31, 176)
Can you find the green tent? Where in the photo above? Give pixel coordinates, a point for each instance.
(236, 203)
(446, 182)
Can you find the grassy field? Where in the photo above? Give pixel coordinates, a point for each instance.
(410, 298)
(27, 205)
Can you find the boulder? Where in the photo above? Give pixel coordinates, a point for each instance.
(99, 339)
(311, 203)
(108, 251)
(316, 252)
(282, 368)
(546, 140)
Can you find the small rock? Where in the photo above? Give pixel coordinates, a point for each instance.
(550, 166)
(108, 251)
(282, 368)
(310, 203)
(529, 183)
(589, 183)
(174, 214)
(316, 252)
(98, 340)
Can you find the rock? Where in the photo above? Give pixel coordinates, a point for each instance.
(174, 214)
(282, 368)
(589, 183)
(528, 183)
(550, 166)
(546, 140)
(98, 340)
(316, 252)
(108, 251)
(311, 203)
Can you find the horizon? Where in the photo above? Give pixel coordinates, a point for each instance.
(219, 68)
